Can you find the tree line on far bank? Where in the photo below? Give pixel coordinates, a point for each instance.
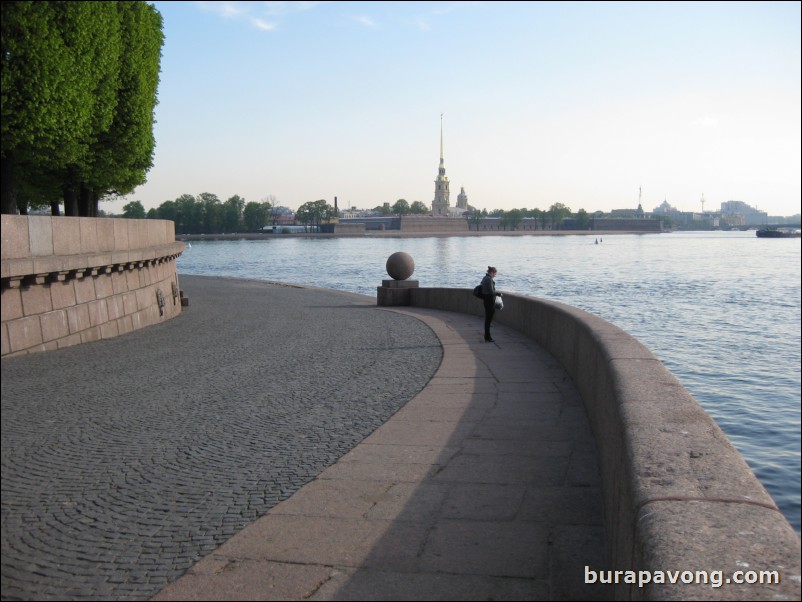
(551, 218)
(207, 214)
(79, 85)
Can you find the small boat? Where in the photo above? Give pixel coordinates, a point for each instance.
(777, 233)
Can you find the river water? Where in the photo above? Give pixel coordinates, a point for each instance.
(720, 309)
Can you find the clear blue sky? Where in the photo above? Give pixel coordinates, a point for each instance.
(577, 103)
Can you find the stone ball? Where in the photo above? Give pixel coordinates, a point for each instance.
(400, 265)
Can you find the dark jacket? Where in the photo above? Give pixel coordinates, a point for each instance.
(488, 287)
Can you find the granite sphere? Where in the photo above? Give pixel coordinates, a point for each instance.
(400, 265)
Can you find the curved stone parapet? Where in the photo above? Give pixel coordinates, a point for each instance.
(70, 280)
(677, 495)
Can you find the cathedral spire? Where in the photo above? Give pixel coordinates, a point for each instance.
(441, 138)
(440, 205)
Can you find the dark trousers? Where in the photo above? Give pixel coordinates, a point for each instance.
(490, 309)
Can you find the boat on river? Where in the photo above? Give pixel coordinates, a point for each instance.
(777, 233)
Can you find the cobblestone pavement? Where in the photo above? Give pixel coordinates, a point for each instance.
(125, 461)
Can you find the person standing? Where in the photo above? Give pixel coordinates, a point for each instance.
(489, 295)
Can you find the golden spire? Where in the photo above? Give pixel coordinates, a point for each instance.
(441, 138)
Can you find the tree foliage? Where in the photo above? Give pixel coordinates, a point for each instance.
(582, 220)
(401, 207)
(557, 212)
(79, 84)
(231, 213)
(418, 208)
(134, 210)
(313, 213)
(256, 215)
(512, 219)
(475, 218)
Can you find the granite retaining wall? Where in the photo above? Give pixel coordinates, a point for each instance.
(677, 495)
(70, 280)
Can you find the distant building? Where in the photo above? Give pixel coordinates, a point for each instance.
(628, 213)
(738, 213)
(462, 200)
(664, 209)
(626, 224)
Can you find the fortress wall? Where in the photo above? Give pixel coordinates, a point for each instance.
(433, 224)
(346, 228)
(677, 495)
(70, 280)
(626, 224)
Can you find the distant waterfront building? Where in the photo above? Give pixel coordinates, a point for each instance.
(664, 209)
(629, 213)
(738, 213)
(626, 224)
(462, 200)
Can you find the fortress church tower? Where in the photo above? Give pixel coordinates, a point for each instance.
(440, 205)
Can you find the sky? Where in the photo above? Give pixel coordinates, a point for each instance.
(594, 105)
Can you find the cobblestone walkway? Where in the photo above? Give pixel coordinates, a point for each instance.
(125, 461)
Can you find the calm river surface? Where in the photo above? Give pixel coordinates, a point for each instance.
(720, 309)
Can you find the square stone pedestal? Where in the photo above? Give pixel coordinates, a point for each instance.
(394, 292)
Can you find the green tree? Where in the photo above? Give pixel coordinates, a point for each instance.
(134, 210)
(582, 220)
(537, 216)
(167, 210)
(188, 215)
(97, 31)
(123, 153)
(557, 212)
(401, 207)
(313, 213)
(269, 211)
(475, 218)
(46, 97)
(75, 101)
(512, 219)
(257, 215)
(212, 210)
(253, 216)
(418, 208)
(231, 213)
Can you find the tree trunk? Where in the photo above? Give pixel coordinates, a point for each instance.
(55, 208)
(71, 190)
(84, 201)
(93, 203)
(70, 200)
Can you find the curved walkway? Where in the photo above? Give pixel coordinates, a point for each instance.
(125, 461)
(483, 486)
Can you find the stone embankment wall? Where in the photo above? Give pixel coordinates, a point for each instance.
(70, 280)
(677, 495)
(412, 223)
(631, 224)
